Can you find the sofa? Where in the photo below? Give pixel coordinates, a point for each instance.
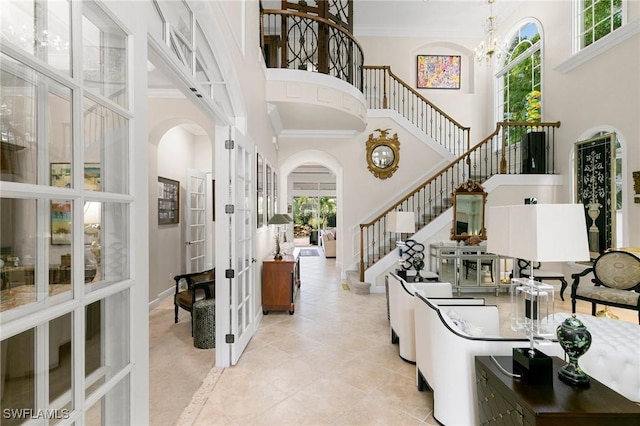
(401, 318)
(447, 341)
(328, 242)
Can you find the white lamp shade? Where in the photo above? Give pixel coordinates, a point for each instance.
(540, 232)
(401, 222)
(498, 230)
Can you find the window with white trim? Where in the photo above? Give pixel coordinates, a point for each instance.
(596, 19)
(519, 81)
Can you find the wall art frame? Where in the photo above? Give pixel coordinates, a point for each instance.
(61, 213)
(259, 191)
(168, 201)
(60, 176)
(595, 168)
(438, 71)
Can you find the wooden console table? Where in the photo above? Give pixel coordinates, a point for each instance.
(506, 400)
(280, 282)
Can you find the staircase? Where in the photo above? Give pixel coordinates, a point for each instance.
(498, 153)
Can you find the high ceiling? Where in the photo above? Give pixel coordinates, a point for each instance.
(420, 18)
(426, 18)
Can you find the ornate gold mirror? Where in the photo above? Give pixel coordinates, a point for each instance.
(468, 213)
(383, 154)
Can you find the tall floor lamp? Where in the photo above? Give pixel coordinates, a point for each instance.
(538, 233)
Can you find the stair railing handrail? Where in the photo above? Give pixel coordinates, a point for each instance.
(387, 94)
(466, 157)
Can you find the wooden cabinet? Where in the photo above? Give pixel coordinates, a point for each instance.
(506, 400)
(280, 283)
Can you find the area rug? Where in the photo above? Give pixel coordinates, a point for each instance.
(309, 252)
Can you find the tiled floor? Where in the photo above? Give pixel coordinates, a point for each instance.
(330, 363)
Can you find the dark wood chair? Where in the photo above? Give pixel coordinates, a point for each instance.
(524, 270)
(616, 282)
(191, 288)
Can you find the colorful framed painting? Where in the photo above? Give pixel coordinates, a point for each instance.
(438, 72)
(60, 223)
(596, 190)
(60, 175)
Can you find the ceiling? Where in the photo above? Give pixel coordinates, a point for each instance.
(419, 18)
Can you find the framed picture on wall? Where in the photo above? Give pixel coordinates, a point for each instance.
(438, 71)
(259, 191)
(596, 190)
(168, 201)
(60, 223)
(60, 176)
(269, 209)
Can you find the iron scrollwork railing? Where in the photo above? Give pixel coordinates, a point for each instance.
(302, 41)
(384, 90)
(508, 150)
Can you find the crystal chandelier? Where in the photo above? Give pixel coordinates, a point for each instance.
(490, 46)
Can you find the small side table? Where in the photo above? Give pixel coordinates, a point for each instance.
(506, 400)
(204, 324)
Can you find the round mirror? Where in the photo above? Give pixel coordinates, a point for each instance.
(382, 156)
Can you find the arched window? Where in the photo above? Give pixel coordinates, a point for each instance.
(519, 92)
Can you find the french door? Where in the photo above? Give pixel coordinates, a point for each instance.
(235, 264)
(196, 230)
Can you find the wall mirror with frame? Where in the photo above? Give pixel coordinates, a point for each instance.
(469, 201)
(383, 154)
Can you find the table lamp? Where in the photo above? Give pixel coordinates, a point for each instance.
(538, 233)
(401, 222)
(277, 220)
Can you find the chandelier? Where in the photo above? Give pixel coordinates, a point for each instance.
(490, 46)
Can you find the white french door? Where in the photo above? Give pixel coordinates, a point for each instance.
(235, 265)
(196, 230)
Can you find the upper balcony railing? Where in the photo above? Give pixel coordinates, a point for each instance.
(301, 41)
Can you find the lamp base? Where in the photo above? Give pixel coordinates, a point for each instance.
(277, 256)
(535, 368)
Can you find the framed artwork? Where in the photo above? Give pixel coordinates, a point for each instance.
(259, 191)
(438, 72)
(596, 190)
(269, 193)
(60, 223)
(60, 174)
(168, 201)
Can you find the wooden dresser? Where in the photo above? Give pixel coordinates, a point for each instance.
(280, 283)
(506, 400)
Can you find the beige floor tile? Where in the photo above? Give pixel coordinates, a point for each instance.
(331, 363)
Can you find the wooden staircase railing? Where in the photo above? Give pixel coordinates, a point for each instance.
(505, 151)
(384, 90)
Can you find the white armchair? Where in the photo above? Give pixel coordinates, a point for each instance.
(401, 316)
(445, 354)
